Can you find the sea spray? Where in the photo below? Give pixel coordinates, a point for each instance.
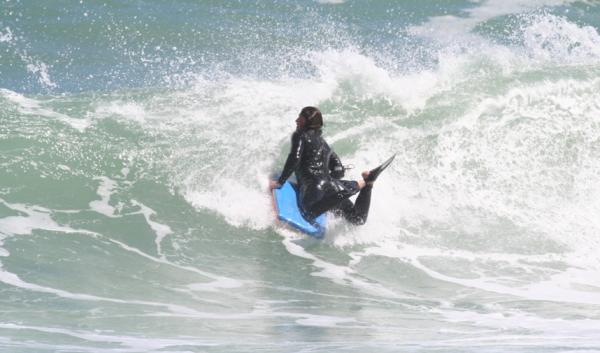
(137, 141)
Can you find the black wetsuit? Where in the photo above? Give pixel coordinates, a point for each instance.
(318, 171)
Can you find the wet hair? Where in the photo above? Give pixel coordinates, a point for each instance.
(314, 119)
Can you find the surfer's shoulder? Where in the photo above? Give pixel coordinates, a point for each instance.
(301, 135)
(296, 136)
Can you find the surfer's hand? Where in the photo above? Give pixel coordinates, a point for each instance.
(273, 184)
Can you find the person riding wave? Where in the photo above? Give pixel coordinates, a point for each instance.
(319, 171)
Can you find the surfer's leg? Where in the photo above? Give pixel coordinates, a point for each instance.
(332, 196)
(337, 200)
(327, 203)
(357, 212)
(362, 205)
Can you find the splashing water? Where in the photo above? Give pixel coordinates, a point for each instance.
(137, 141)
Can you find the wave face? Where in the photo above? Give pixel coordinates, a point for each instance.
(137, 139)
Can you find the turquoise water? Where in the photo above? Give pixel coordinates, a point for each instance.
(137, 139)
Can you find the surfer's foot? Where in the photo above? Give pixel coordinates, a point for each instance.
(374, 173)
(365, 176)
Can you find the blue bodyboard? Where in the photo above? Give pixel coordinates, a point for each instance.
(286, 203)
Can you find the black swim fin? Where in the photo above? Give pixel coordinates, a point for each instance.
(374, 173)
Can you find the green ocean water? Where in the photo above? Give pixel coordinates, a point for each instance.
(137, 139)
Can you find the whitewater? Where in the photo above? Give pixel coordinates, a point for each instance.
(137, 139)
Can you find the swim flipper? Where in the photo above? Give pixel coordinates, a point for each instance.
(374, 173)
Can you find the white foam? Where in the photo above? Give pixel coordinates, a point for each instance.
(342, 275)
(137, 343)
(225, 137)
(216, 285)
(444, 28)
(554, 38)
(36, 67)
(218, 281)
(161, 230)
(324, 321)
(573, 331)
(241, 205)
(14, 280)
(30, 106)
(493, 163)
(551, 285)
(6, 36)
(369, 80)
(244, 122)
(124, 109)
(36, 218)
(39, 218)
(41, 69)
(105, 190)
(517, 136)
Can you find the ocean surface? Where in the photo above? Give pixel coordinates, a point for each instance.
(137, 139)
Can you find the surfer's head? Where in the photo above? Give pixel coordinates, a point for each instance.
(309, 118)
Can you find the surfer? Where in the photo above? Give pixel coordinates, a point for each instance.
(319, 171)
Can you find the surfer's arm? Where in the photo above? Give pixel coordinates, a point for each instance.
(293, 158)
(336, 169)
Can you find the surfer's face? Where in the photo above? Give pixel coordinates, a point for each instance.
(300, 122)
